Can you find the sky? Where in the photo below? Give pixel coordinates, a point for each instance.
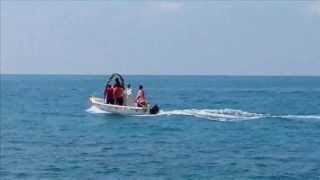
(161, 37)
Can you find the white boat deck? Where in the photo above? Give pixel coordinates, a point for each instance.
(117, 109)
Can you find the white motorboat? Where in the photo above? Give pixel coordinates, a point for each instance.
(122, 110)
(131, 109)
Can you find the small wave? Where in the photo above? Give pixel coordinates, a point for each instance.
(95, 110)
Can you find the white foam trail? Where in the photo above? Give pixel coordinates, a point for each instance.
(95, 110)
(299, 116)
(215, 114)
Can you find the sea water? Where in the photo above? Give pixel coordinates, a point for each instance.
(209, 127)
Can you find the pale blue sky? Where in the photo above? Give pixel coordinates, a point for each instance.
(100, 37)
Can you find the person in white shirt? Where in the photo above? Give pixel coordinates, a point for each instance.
(128, 96)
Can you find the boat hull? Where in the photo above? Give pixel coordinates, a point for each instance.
(117, 109)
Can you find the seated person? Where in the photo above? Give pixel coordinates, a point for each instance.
(140, 99)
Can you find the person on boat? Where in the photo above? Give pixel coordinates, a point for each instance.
(140, 99)
(118, 94)
(117, 83)
(128, 90)
(109, 98)
(105, 93)
(128, 96)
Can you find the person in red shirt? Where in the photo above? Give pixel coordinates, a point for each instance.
(108, 95)
(118, 94)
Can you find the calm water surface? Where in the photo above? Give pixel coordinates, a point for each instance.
(210, 127)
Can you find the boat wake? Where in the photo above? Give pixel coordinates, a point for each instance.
(217, 114)
(306, 117)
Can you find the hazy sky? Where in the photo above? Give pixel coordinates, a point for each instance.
(99, 37)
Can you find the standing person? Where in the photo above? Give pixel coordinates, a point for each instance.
(128, 98)
(128, 90)
(105, 93)
(110, 97)
(140, 99)
(118, 94)
(117, 82)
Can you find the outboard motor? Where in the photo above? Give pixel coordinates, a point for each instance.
(155, 109)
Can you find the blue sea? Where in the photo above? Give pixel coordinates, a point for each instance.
(209, 127)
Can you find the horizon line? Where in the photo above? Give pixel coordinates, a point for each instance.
(76, 74)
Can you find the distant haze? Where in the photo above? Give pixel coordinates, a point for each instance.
(218, 38)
